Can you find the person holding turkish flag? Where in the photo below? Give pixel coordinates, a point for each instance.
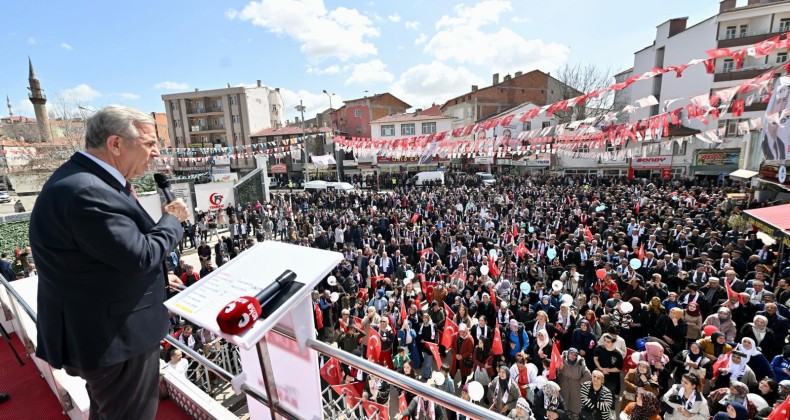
(556, 360)
(462, 347)
(374, 346)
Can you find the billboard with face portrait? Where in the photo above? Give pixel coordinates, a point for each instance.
(776, 127)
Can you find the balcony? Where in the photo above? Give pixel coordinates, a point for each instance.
(206, 110)
(729, 76)
(206, 128)
(748, 40)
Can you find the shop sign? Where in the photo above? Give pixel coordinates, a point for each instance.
(717, 158)
(651, 162)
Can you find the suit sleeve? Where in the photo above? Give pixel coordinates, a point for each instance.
(105, 228)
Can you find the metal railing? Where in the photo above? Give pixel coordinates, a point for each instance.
(334, 406)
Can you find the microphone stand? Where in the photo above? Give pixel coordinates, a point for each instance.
(7, 339)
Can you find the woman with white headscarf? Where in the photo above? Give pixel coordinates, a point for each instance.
(565, 323)
(736, 370)
(755, 359)
(548, 400)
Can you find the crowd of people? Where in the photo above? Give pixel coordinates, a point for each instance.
(565, 297)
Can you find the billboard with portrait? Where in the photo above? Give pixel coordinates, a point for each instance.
(776, 129)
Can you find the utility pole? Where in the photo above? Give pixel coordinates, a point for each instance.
(338, 160)
(300, 108)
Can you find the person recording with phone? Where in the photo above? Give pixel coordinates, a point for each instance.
(101, 263)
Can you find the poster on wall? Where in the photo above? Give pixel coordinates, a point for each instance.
(776, 135)
(717, 157)
(183, 191)
(214, 195)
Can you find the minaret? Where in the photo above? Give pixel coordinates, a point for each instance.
(39, 101)
(10, 109)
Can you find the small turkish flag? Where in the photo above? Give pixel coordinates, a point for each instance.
(449, 332)
(358, 323)
(721, 363)
(319, 317)
(556, 360)
(641, 253)
(636, 208)
(515, 230)
(448, 312)
(403, 313)
(628, 360)
(377, 411)
(782, 411)
(496, 347)
(730, 292)
(414, 218)
(402, 404)
(374, 345)
(588, 234)
(493, 297)
(330, 371)
(350, 391)
(425, 251)
(427, 289)
(737, 107)
(434, 348)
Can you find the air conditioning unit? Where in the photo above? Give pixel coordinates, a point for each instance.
(195, 128)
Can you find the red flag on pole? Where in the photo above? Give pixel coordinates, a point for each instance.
(375, 411)
(414, 218)
(637, 207)
(493, 270)
(402, 404)
(493, 297)
(588, 234)
(448, 312)
(434, 348)
(628, 360)
(374, 345)
(516, 230)
(425, 251)
(641, 253)
(450, 328)
(496, 346)
(330, 371)
(556, 360)
(427, 289)
(358, 323)
(403, 313)
(782, 411)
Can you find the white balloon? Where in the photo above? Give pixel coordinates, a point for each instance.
(484, 270)
(409, 274)
(476, 391)
(438, 378)
(556, 285)
(758, 401)
(334, 296)
(332, 280)
(626, 307)
(567, 299)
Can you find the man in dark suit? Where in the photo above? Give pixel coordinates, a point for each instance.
(101, 265)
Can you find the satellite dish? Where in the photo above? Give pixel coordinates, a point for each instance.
(484, 270)
(556, 285)
(567, 299)
(409, 275)
(334, 296)
(476, 391)
(438, 378)
(525, 287)
(332, 280)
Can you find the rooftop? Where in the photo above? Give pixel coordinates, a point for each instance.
(288, 131)
(432, 113)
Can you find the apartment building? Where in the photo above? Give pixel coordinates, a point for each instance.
(221, 117)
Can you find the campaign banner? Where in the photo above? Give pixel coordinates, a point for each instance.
(214, 195)
(717, 158)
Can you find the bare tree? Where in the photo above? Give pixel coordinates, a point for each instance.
(578, 79)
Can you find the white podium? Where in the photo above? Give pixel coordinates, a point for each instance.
(285, 371)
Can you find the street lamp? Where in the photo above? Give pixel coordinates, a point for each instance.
(301, 109)
(334, 143)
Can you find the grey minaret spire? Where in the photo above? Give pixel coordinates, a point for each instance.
(39, 101)
(10, 109)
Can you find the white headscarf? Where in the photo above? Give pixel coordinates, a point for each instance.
(749, 353)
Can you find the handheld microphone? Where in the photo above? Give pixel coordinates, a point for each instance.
(164, 184)
(240, 314)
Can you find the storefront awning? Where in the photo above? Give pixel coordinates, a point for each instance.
(743, 174)
(774, 220)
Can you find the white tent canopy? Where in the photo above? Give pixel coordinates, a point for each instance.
(324, 160)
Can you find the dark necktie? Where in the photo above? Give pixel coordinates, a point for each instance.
(130, 187)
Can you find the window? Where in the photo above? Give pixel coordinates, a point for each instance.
(728, 65)
(545, 124)
(429, 128)
(784, 25)
(357, 113)
(526, 126)
(233, 100)
(407, 129)
(732, 128)
(743, 30)
(781, 57)
(173, 105)
(235, 118)
(583, 148)
(679, 149)
(387, 130)
(613, 148)
(274, 109)
(359, 130)
(236, 136)
(730, 33)
(176, 123)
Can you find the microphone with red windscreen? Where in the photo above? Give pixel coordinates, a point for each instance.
(241, 313)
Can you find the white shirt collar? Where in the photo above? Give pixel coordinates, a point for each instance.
(104, 165)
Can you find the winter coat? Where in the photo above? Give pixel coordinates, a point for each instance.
(693, 326)
(699, 410)
(570, 378)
